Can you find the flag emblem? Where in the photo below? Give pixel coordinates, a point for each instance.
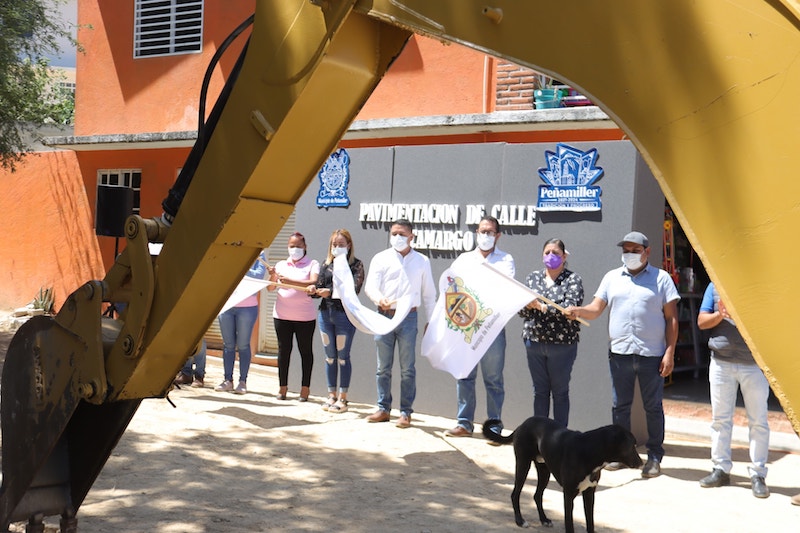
(463, 309)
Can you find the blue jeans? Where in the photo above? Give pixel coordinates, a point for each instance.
(236, 325)
(724, 379)
(197, 360)
(491, 364)
(405, 337)
(551, 369)
(337, 337)
(624, 371)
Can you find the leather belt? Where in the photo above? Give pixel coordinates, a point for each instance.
(390, 312)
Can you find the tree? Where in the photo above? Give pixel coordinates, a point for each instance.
(29, 93)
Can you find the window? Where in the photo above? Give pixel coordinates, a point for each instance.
(167, 27)
(131, 178)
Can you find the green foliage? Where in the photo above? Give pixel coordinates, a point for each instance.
(30, 96)
(45, 300)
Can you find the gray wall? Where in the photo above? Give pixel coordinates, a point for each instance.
(491, 174)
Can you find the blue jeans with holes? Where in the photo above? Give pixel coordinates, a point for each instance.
(337, 337)
(197, 360)
(405, 337)
(491, 364)
(550, 366)
(625, 369)
(236, 325)
(725, 379)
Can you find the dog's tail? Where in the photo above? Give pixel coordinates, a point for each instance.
(491, 430)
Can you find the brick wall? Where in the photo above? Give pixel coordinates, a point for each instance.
(514, 87)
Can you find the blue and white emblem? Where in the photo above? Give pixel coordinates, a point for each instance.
(333, 179)
(570, 174)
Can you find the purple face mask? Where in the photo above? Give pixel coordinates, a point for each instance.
(552, 261)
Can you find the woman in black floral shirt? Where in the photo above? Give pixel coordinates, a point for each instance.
(551, 339)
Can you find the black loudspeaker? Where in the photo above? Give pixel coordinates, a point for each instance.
(114, 206)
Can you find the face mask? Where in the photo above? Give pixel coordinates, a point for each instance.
(485, 242)
(632, 261)
(552, 261)
(337, 251)
(399, 242)
(296, 253)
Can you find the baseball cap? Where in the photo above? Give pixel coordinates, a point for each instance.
(635, 237)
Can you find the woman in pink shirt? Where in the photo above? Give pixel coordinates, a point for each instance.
(295, 313)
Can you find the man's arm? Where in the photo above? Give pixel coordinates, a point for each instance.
(428, 296)
(372, 284)
(671, 337)
(589, 312)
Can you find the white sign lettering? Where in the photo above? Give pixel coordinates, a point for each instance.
(447, 214)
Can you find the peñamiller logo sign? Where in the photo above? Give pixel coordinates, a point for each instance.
(570, 174)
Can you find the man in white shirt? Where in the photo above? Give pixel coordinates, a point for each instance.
(493, 361)
(395, 272)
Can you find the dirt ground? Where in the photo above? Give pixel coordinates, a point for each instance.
(222, 463)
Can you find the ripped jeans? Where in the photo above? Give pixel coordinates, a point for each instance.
(337, 337)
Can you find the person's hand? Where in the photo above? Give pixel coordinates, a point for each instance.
(667, 364)
(311, 290)
(723, 310)
(572, 312)
(384, 304)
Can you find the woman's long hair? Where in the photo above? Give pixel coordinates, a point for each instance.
(351, 248)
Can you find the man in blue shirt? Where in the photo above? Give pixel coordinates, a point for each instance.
(643, 331)
(733, 368)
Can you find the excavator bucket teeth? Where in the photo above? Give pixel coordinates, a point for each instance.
(54, 443)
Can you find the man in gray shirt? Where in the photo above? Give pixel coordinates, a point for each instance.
(643, 331)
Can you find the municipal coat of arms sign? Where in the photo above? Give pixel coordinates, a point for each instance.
(333, 179)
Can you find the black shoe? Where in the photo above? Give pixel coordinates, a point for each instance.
(652, 468)
(717, 478)
(760, 489)
(615, 465)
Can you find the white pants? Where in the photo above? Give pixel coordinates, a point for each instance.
(724, 379)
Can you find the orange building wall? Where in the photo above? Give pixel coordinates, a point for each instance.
(159, 170)
(48, 237)
(432, 78)
(116, 93)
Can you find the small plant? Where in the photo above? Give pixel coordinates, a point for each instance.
(45, 300)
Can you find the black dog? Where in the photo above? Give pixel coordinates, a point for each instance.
(575, 459)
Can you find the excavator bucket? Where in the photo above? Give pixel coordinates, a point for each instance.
(54, 441)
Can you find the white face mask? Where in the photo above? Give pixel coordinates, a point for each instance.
(336, 251)
(296, 253)
(632, 261)
(485, 242)
(399, 242)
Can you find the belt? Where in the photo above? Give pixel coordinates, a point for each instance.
(390, 312)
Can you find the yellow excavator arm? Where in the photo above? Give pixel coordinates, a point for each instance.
(706, 91)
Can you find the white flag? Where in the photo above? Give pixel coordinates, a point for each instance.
(247, 287)
(363, 318)
(475, 303)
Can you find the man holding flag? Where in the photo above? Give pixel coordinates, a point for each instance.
(493, 361)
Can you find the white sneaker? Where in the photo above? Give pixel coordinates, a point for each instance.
(225, 386)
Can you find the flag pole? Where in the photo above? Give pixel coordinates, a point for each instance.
(538, 296)
(548, 301)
